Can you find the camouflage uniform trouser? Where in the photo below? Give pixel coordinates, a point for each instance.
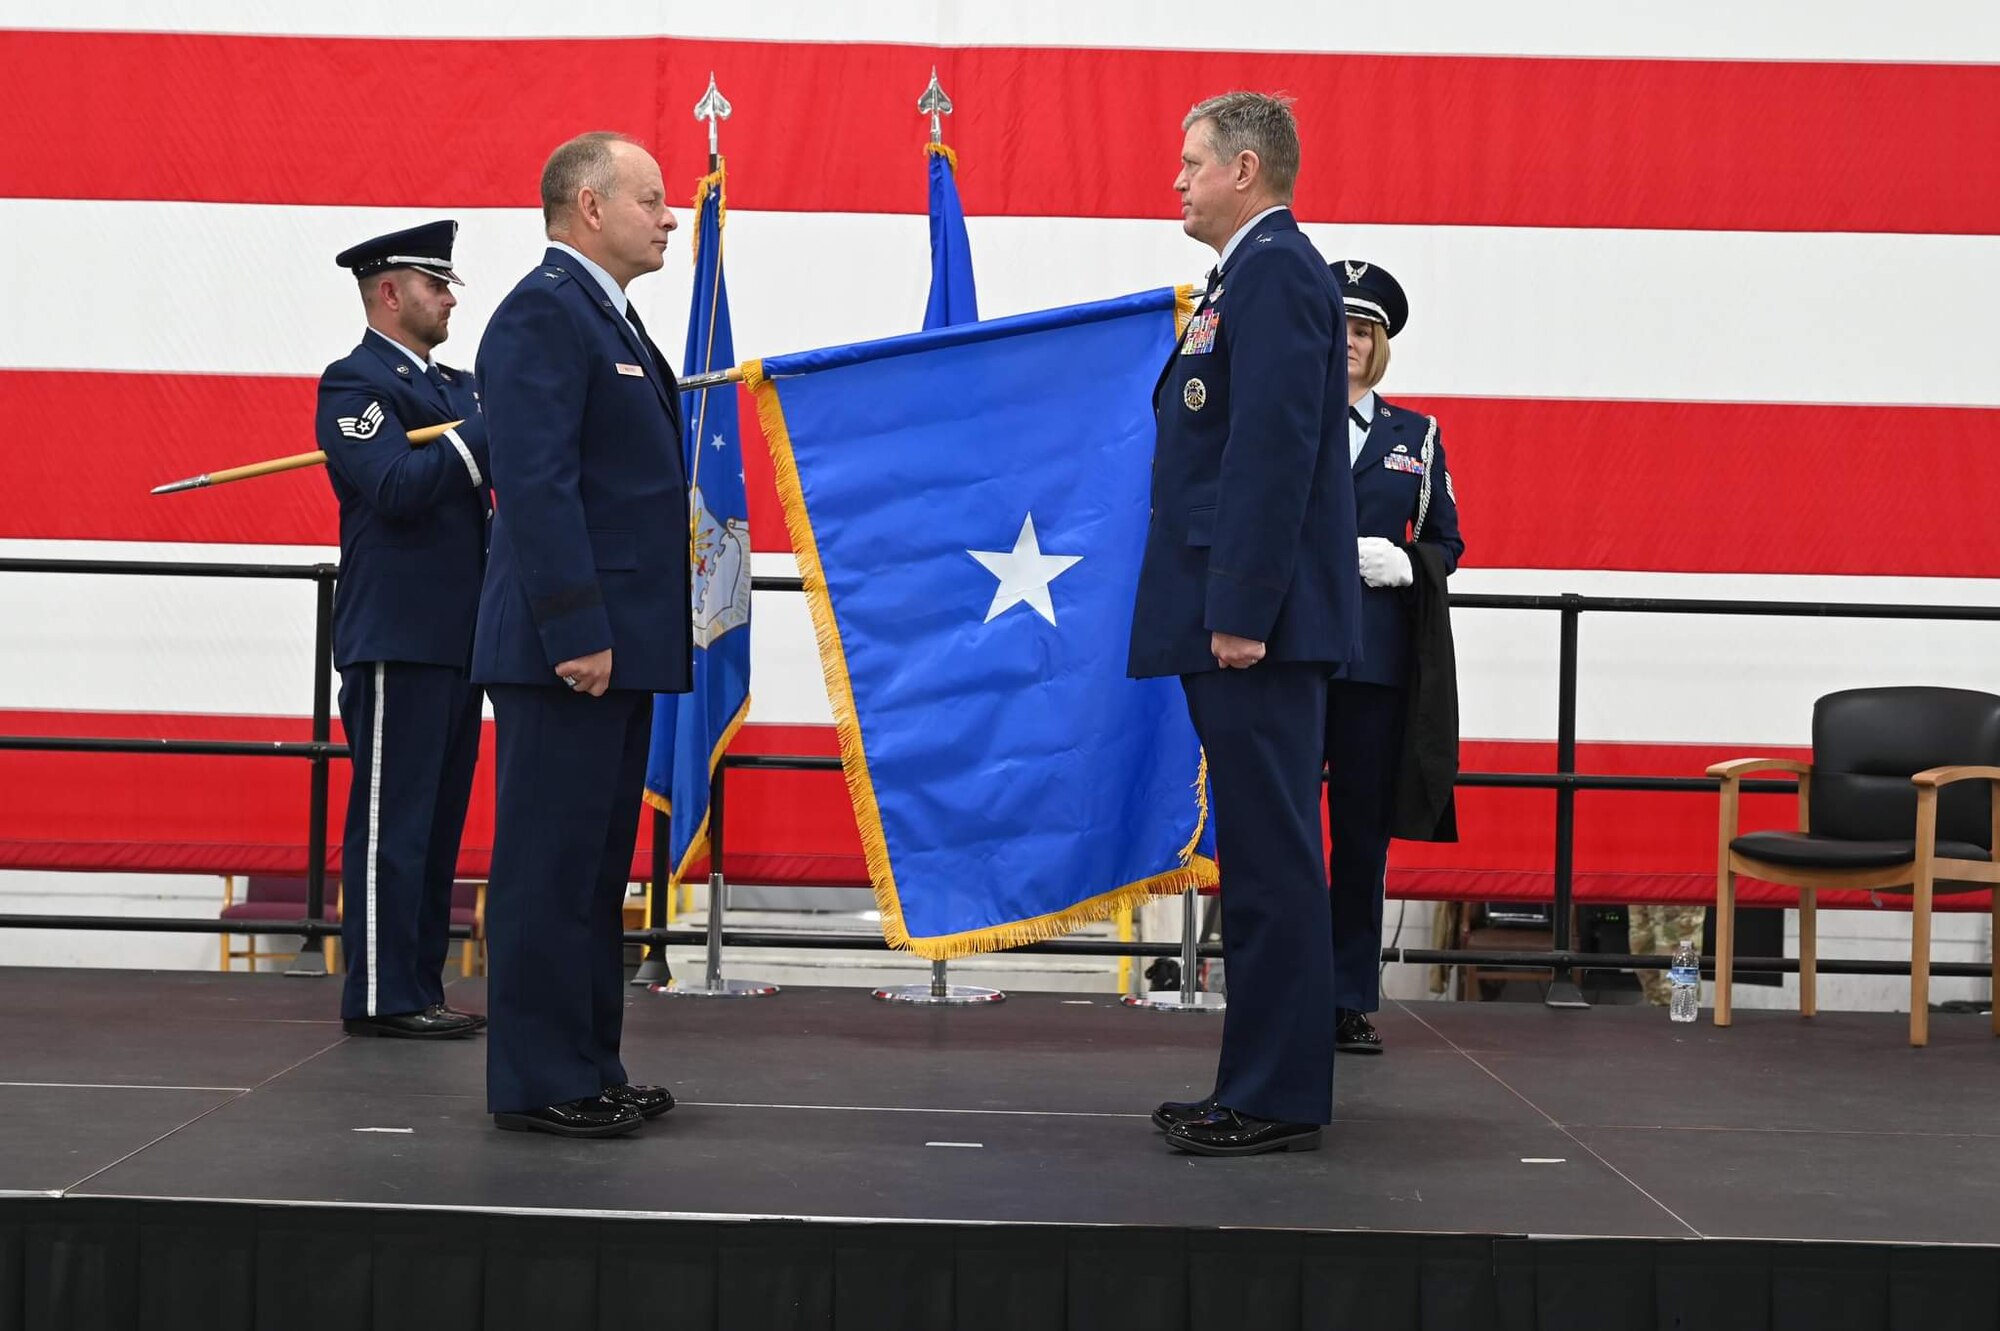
(1658, 929)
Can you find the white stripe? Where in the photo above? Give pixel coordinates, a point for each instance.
(471, 467)
(375, 823)
(1946, 30)
(246, 648)
(1611, 314)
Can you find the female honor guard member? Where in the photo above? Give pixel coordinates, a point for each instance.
(412, 554)
(1402, 495)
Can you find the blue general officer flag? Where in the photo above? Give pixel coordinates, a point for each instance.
(968, 506)
(952, 299)
(691, 730)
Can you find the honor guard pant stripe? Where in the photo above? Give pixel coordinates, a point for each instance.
(375, 822)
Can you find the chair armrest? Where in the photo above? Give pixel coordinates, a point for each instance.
(1944, 776)
(1737, 767)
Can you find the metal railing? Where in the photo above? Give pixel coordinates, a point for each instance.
(1562, 958)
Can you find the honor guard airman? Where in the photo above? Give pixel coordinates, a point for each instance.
(1402, 494)
(413, 536)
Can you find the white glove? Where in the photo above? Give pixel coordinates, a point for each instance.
(1384, 563)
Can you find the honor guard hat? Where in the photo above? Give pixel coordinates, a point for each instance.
(426, 248)
(1370, 293)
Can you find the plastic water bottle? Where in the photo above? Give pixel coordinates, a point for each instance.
(1685, 974)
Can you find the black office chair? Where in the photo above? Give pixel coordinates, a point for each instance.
(1897, 798)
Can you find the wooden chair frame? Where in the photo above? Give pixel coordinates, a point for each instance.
(472, 951)
(1917, 876)
(252, 954)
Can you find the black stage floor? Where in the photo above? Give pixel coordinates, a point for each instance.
(127, 1098)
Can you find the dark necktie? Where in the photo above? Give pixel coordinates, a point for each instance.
(645, 340)
(432, 373)
(1214, 281)
(1354, 414)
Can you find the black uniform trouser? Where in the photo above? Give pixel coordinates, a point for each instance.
(414, 733)
(1261, 729)
(1364, 742)
(571, 774)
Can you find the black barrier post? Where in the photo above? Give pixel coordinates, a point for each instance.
(713, 985)
(1563, 990)
(311, 958)
(654, 969)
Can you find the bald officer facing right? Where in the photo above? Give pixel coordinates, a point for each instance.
(583, 617)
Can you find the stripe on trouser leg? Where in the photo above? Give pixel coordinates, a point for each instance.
(375, 820)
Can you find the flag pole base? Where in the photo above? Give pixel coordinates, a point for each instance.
(720, 989)
(1172, 1002)
(954, 995)
(940, 992)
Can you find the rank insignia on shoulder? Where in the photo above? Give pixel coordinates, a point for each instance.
(363, 426)
(1195, 393)
(1403, 462)
(1200, 338)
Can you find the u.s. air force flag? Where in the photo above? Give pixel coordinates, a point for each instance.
(691, 730)
(968, 506)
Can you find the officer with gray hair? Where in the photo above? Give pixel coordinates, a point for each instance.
(1250, 591)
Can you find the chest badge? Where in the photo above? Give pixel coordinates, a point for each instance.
(1195, 393)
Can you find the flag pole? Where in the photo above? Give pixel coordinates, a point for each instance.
(272, 466)
(940, 992)
(712, 108)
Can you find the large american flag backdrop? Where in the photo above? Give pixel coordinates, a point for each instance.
(1706, 298)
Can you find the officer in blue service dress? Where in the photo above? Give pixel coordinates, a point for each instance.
(1402, 494)
(1249, 592)
(584, 616)
(413, 527)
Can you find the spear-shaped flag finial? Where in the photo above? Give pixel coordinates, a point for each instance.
(934, 104)
(714, 108)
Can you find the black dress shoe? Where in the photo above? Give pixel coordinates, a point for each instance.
(592, 1116)
(1226, 1132)
(1353, 1033)
(478, 1019)
(1171, 1112)
(433, 1023)
(649, 1101)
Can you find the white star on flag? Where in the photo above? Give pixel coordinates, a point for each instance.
(718, 444)
(1024, 572)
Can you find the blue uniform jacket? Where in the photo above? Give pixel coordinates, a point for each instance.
(590, 534)
(412, 520)
(1252, 528)
(1385, 502)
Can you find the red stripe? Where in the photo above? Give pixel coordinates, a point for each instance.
(1717, 487)
(230, 815)
(1664, 486)
(1461, 140)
